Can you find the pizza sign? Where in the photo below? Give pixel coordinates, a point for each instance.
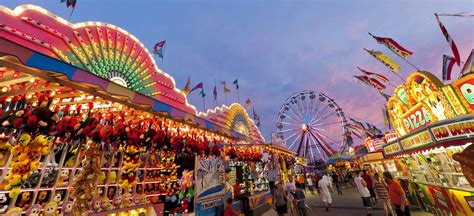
(418, 117)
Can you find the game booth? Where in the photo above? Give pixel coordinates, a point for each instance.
(90, 125)
(433, 154)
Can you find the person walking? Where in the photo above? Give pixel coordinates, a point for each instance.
(309, 179)
(361, 186)
(289, 189)
(325, 189)
(382, 194)
(370, 185)
(299, 200)
(280, 200)
(397, 195)
(337, 182)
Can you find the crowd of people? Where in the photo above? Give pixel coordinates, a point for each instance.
(289, 199)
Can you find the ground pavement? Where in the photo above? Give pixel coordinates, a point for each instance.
(348, 204)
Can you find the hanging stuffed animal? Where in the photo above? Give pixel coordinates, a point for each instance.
(67, 208)
(24, 200)
(105, 204)
(63, 179)
(34, 210)
(4, 200)
(51, 209)
(15, 211)
(95, 205)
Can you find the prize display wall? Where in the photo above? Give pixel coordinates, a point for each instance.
(90, 125)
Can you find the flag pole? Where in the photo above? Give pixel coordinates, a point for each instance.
(225, 98)
(70, 15)
(403, 80)
(238, 96)
(215, 86)
(411, 64)
(204, 104)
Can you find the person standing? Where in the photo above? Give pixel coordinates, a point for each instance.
(397, 195)
(370, 185)
(290, 188)
(299, 200)
(337, 181)
(382, 194)
(309, 179)
(280, 200)
(324, 185)
(272, 176)
(361, 186)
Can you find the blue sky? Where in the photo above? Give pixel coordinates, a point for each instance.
(276, 48)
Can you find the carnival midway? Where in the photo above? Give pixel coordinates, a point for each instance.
(91, 124)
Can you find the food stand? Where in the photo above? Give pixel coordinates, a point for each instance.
(435, 128)
(90, 124)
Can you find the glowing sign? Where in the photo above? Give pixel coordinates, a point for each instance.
(392, 148)
(375, 156)
(454, 130)
(416, 117)
(465, 89)
(419, 139)
(454, 100)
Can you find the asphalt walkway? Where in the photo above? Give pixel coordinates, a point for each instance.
(349, 203)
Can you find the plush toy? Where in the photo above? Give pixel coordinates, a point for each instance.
(184, 205)
(67, 208)
(24, 200)
(105, 204)
(34, 210)
(50, 177)
(32, 180)
(118, 200)
(42, 195)
(143, 199)
(4, 151)
(136, 200)
(127, 200)
(15, 211)
(3, 203)
(84, 186)
(63, 178)
(58, 198)
(95, 205)
(51, 209)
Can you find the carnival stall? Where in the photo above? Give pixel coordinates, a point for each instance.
(90, 124)
(435, 128)
(248, 168)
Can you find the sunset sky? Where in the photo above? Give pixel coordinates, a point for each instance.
(275, 48)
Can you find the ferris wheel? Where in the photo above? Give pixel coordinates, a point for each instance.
(312, 125)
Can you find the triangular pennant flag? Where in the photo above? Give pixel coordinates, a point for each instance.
(247, 103)
(214, 92)
(186, 88)
(198, 86)
(202, 93)
(383, 78)
(385, 60)
(158, 48)
(469, 64)
(236, 83)
(448, 63)
(393, 45)
(450, 41)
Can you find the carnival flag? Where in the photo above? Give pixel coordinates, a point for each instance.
(236, 83)
(158, 48)
(247, 103)
(198, 86)
(388, 62)
(70, 3)
(383, 78)
(377, 84)
(450, 41)
(256, 118)
(386, 117)
(469, 64)
(186, 88)
(448, 63)
(364, 79)
(215, 92)
(386, 96)
(393, 45)
(226, 90)
(202, 93)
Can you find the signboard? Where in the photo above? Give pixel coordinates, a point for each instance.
(416, 117)
(209, 185)
(464, 88)
(392, 148)
(454, 100)
(416, 140)
(454, 130)
(210, 207)
(375, 156)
